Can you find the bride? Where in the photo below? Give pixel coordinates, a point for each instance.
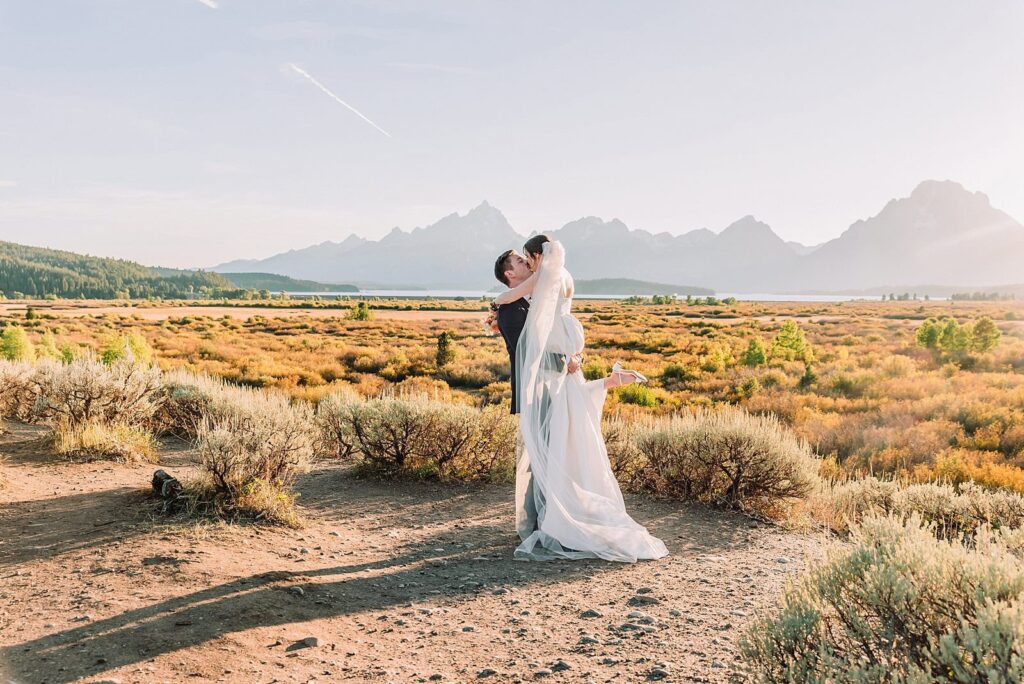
(580, 511)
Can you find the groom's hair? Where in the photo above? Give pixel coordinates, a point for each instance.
(501, 265)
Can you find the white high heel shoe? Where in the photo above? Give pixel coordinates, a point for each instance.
(640, 377)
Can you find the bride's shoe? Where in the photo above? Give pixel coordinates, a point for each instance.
(640, 377)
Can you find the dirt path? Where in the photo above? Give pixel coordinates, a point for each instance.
(405, 582)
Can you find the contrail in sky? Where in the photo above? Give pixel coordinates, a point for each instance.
(327, 90)
(212, 4)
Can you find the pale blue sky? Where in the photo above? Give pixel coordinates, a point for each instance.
(174, 133)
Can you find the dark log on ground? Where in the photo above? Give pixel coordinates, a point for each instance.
(166, 485)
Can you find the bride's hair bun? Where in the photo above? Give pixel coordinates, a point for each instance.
(535, 245)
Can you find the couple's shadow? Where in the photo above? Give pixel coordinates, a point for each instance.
(425, 570)
(421, 571)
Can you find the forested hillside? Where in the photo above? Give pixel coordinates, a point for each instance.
(38, 272)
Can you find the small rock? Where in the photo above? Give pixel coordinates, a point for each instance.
(435, 678)
(782, 559)
(608, 660)
(588, 639)
(486, 672)
(311, 642)
(644, 590)
(298, 591)
(637, 601)
(656, 674)
(335, 533)
(542, 672)
(718, 665)
(500, 591)
(590, 613)
(560, 666)
(675, 613)
(469, 628)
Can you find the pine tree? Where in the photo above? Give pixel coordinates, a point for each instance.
(791, 344)
(985, 335)
(755, 354)
(445, 349)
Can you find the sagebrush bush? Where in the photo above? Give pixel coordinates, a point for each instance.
(87, 391)
(899, 605)
(419, 437)
(250, 451)
(17, 389)
(726, 457)
(952, 510)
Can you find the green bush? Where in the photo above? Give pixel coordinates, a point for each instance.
(899, 605)
(637, 394)
(15, 344)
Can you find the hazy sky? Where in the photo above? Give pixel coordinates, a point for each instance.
(175, 132)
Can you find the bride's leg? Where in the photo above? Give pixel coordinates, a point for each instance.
(618, 380)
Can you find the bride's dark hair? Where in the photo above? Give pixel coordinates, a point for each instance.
(535, 245)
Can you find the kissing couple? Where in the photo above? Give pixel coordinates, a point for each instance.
(568, 502)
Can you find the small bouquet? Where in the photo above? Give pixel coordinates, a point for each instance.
(491, 321)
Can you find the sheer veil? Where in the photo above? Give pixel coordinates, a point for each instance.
(580, 511)
(539, 378)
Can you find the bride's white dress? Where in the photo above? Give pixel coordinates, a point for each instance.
(580, 511)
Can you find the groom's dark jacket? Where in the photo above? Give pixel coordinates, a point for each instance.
(511, 319)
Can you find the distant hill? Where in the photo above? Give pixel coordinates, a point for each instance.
(940, 234)
(627, 286)
(38, 272)
(279, 283)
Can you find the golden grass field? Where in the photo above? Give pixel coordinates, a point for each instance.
(873, 400)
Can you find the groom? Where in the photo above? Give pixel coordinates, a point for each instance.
(511, 269)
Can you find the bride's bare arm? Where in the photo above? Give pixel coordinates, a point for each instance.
(518, 292)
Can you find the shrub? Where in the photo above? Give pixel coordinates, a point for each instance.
(953, 511)
(86, 391)
(417, 437)
(637, 394)
(126, 443)
(334, 425)
(250, 449)
(898, 605)
(727, 457)
(131, 347)
(17, 390)
(360, 312)
(15, 344)
(596, 369)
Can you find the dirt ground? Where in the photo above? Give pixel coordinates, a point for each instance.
(387, 582)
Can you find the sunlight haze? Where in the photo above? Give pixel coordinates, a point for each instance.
(192, 132)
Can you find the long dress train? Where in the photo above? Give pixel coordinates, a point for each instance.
(580, 510)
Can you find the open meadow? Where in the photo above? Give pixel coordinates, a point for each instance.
(345, 511)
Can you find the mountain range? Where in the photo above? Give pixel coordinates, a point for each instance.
(942, 234)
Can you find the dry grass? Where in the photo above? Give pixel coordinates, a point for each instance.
(92, 440)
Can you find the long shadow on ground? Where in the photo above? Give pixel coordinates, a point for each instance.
(421, 570)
